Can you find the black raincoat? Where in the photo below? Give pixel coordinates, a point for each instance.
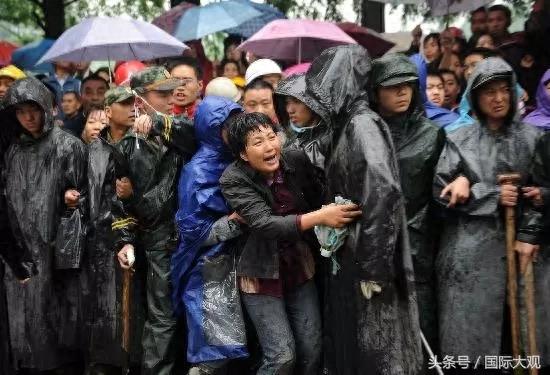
(104, 276)
(153, 165)
(315, 141)
(44, 314)
(418, 143)
(380, 335)
(471, 262)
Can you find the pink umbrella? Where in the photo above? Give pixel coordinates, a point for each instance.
(294, 40)
(296, 69)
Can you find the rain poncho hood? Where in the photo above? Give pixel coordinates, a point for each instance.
(201, 203)
(488, 70)
(540, 117)
(28, 90)
(441, 116)
(38, 172)
(379, 335)
(316, 140)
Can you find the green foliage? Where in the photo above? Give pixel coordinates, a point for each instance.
(312, 9)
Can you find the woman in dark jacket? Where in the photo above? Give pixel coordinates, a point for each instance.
(275, 195)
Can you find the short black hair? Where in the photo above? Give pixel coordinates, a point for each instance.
(432, 72)
(435, 36)
(93, 77)
(244, 124)
(258, 84)
(189, 61)
(76, 94)
(448, 71)
(479, 10)
(106, 70)
(502, 8)
(485, 52)
(228, 61)
(91, 109)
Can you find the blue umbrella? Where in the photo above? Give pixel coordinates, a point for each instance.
(249, 28)
(198, 22)
(27, 56)
(113, 38)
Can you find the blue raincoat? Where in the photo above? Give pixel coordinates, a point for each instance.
(441, 116)
(201, 275)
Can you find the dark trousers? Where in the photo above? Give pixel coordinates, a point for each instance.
(159, 338)
(289, 330)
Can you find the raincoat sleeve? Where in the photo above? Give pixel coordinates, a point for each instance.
(532, 221)
(252, 207)
(21, 266)
(222, 230)
(71, 233)
(177, 131)
(483, 199)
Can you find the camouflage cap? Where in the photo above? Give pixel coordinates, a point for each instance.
(117, 95)
(154, 78)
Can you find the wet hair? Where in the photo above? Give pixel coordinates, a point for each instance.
(244, 124)
(432, 72)
(93, 77)
(478, 10)
(258, 84)
(189, 61)
(504, 9)
(93, 108)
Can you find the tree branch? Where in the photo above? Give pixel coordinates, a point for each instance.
(39, 20)
(67, 3)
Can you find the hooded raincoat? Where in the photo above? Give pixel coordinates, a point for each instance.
(203, 275)
(418, 143)
(380, 335)
(104, 276)
(316, 141)
(44, 313)
(471, 263)
(540, 117)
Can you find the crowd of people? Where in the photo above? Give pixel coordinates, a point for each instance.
(346, 220)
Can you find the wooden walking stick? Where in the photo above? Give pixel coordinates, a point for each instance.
(529, 279)
(126, 321)
(512, 277)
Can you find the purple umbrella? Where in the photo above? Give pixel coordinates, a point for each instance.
(295, 40)
(168, 20)
(113, 38)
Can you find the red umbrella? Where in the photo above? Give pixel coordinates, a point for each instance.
(375, 43)
(6, 49)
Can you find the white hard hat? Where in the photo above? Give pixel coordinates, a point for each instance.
(223, 86)
(260, 68)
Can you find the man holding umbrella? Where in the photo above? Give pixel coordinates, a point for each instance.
(154, 152)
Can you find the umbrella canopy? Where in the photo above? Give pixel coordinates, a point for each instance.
(247, 29)
(6, 49)
(375, 43)
(168, 21)
(296, 69)
(113, 38)
(444, 7)
(295, 40)
(27, 56)
(198, 22)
